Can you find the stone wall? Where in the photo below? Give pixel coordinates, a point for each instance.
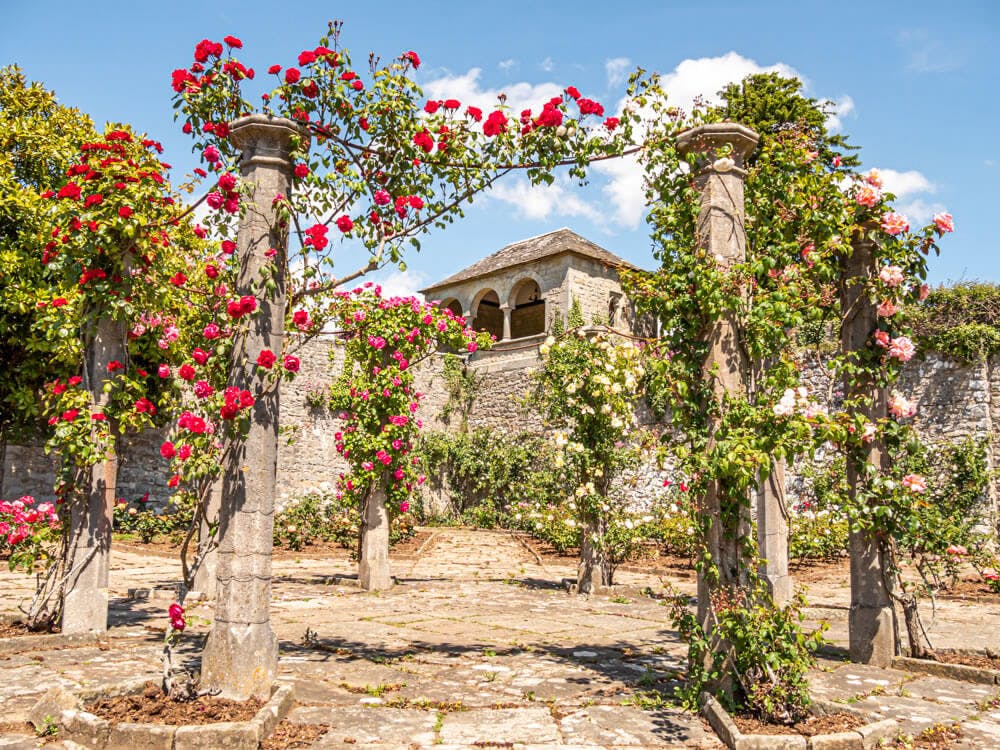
(954, 401)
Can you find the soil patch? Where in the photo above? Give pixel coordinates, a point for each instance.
(937, 737)
(974, 590)
(15, 629)
(408, 548)
(815, 571)
(288, 735)
(151, 706)
(649, 560)
(982, 661)
(814, 725)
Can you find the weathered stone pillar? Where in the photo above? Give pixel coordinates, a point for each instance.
(374, 572)
(241, 654)
(871, 621)
(505, 311)
(722, 149)
(85, 598)
(591, 570)
(772, 534)
(208, 544)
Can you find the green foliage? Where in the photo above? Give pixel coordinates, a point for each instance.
(817, 523)
(138, 519)
(321, 516)
(492, 475)
(461, 384)
(961, 321)
(39, 140)
(767, 654)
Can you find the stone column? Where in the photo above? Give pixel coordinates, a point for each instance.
(241, 653)
(374, 573)
(590, 570)
(85, 598)
(722, 149)
(505, 311)
(772, 534)
(208, 544)
(871, 621)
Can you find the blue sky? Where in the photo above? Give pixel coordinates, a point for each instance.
(914, 83)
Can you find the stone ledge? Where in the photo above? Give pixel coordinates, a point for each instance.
(91, 731)
(862, 738)
(961, 672)
(38, 641)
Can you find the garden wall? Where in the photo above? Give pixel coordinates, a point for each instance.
(954, 401)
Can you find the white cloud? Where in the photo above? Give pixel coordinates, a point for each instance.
(700, 78)
(398, 283)
(920, 212)
(547, 65)
(624, 189)
(704, 77)
(468, 90)
(903, 184)
(838, 110)
(508, 64)
(542, 201)
(616, 69)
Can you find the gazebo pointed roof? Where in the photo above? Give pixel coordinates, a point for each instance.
(530, 250)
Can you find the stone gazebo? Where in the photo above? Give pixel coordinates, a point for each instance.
(516, 293)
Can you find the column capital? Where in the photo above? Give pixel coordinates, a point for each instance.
(266, 139)
(708, 140)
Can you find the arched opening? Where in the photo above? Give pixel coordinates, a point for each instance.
(454, 305)
(489, 316)
(527, 314)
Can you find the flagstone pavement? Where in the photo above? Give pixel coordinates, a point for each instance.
(481, 645)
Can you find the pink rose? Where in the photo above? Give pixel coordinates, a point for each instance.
(891, 276)
(894, 223)
(867, 195)
(900, 407)
(886, 309)
(944, 222)
(882, 339)
(902, 349)
(163, 371)
(915, 483)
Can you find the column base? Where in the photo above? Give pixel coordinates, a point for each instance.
(872, 635)
(240, 660)
(85, 610)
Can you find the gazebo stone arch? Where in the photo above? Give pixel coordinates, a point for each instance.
(486, 313)
(526, 308)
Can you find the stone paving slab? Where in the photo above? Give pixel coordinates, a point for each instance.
(350, 725)
(482, 726)
(532, 666)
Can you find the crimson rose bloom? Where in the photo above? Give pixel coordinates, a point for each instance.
(291, 363)
(266, 358)
(344, 223)
(292, 75)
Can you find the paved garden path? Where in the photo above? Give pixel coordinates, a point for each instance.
(480, 644)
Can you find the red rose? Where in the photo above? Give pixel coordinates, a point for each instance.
(412, 57)
(248, 304)
(274, 69)
(611, 123)
(292, 75)
(234, 308)
(266, 358)
(495, 124)
(291, 363)
(475, 113)
(357, 85)
(173, 481)
(186, 372)
(227, 181)
(124, 212)
(178, 279)
(431, 107)
(301, 170)
(344, 223)
(306, 57)
(199, 355)
(167, 450)
(70, 414)
(115, 365)
(233, 42)
(452, 104)
(211, 271)
(98, 417)
(59, 302)
(228, 247)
